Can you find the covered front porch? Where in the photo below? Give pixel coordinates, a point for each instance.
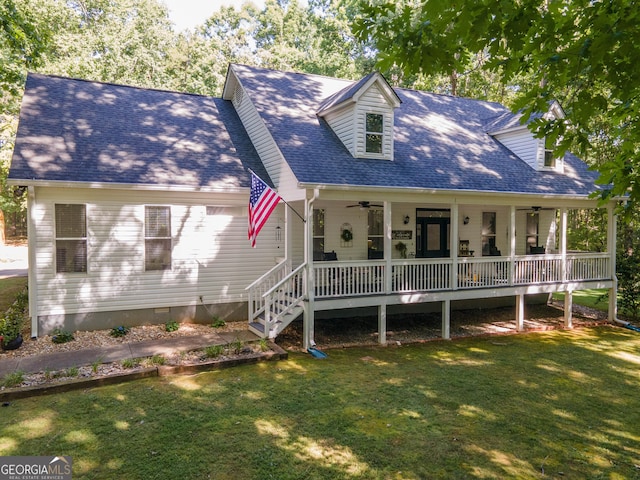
(381, 253)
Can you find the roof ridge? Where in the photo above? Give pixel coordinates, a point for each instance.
(114, 84)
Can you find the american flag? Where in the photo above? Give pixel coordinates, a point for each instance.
(262, 201)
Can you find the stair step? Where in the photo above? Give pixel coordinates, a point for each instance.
(257, 326)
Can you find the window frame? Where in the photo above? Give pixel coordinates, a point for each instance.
(375, 239)
(549, 160)
(155, 265)
(490, 234)
(368, 133)
(319, 219)
(61, 238)
(532, 235)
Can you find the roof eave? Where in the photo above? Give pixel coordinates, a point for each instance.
(437, 191)
(128, 186)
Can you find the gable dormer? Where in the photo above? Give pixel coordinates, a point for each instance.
(362, 116)
(536, 152)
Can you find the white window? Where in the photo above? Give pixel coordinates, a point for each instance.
(533, 235)
(71, 238)
(375, 240)
(374, 132)
(549, 158)
(489, 234)
(157, 238)
(318, 234)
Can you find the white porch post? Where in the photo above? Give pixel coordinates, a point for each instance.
(387, 247)
(309, 309)
(563, 244)
(568, 307)
(612, 249)
(382, 324)
(454, 246)
(512, 244)
(446, 319)
(519, 313)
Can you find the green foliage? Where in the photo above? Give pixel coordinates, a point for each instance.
(156, 360)
(521, 406)
(218, 322)
(263, 343)
(171, 326)
(235, 347)
(213, 351)
(61, 336)
(130, 363)
(120, 331)
(628, 271)
(583, 54)
(13, 379)
(12, 321)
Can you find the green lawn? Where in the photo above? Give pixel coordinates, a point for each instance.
(9, 288)
(561, 404)
(588, 298)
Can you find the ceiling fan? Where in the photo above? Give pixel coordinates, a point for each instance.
(535, 209)
(364, 204)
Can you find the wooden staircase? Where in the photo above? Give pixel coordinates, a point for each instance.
(276, 300)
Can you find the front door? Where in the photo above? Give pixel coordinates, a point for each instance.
(433, 229)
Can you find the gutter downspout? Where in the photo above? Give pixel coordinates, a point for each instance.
(309, 307)
(32, 280)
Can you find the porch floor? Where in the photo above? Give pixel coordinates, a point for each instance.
(357, 331)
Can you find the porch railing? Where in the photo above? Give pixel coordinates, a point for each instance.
(262, 285)
(351, 278)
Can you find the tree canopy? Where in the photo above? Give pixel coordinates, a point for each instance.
(584, 54)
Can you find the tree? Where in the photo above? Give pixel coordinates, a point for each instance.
(584, 54)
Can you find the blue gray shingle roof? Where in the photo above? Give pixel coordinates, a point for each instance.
(440, 142)
(80, 131)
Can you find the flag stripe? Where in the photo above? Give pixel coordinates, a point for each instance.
(262, 201)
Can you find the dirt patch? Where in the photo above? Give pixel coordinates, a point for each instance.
(354, 331)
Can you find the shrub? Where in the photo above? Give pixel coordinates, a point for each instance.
(171, 326)
(61, 336)
(214, 351)
(12, 322)
(218, 322)
(120, 331)
(13, 379)
(130, 363)
(628, 271)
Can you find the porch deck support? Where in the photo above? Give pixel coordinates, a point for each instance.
(612, 228)
(446, 319)
(382, 324)
(568, 307)
(308, 326)
(519, 313)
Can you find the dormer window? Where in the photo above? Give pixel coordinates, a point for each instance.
(373, 133)
(549, 158)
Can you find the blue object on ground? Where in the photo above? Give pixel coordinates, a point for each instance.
(632, 327)
(316, 353)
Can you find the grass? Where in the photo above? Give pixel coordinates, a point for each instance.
(559, 404)
(9, 288)
(588, 298)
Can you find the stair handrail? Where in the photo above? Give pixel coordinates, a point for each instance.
(256, 310)
(268, 297)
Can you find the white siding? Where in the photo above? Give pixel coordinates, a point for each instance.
(524, 145)
(342, 123)
(271, 156)
(373, 101)
(211, 255)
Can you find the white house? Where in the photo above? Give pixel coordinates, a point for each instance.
(137, 203)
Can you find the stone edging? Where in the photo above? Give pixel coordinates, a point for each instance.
(276, 353)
